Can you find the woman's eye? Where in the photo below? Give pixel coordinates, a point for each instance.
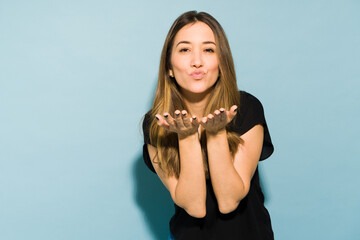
(209, 50)
(184, 50)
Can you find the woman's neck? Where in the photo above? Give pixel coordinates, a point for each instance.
(196, 103)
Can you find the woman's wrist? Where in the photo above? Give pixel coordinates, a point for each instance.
(191, 136)
(215, 133)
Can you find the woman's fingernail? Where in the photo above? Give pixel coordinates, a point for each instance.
(194, 117)
(165, 115)
(235, 109)
(157, 118)
(222, 110)
(184, 114)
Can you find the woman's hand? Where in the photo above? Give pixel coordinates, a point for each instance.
(213, 123)
(182, 124)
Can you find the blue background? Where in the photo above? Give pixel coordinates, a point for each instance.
(77, 76)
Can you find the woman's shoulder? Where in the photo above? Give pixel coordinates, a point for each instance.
(247, 97)
(146, 126)
(147, 118)
(252, 113)
(248, 102)
(249, 114)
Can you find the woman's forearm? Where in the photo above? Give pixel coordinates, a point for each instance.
(228, 186)
(190, 192)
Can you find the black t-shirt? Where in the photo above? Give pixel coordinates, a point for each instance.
(250, 220)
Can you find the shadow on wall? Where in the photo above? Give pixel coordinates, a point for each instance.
(263, 185)
(153, 199)
(151, 195)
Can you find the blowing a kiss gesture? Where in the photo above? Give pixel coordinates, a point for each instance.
(184, 125)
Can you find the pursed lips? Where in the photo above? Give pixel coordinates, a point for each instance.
(197, 74)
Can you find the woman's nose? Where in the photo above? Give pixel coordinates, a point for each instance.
(196, 60)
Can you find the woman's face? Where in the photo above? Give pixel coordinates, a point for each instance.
(194, 59)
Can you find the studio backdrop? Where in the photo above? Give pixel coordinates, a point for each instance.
(76, 78)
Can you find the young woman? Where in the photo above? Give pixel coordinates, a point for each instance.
(204, 138)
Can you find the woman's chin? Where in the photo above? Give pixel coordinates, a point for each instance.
(197, 91)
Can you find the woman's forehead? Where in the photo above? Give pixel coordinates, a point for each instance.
(198, 32)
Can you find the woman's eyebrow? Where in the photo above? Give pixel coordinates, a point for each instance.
(209, 42)
(187, 42)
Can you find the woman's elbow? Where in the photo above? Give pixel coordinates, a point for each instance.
(198, 212)
(230, 204)
(228, 207)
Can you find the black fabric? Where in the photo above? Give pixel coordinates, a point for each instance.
(250, 220)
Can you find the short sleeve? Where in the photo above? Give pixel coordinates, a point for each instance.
(251, 113)
(146, 128)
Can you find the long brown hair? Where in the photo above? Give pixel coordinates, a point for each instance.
(168, 98)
